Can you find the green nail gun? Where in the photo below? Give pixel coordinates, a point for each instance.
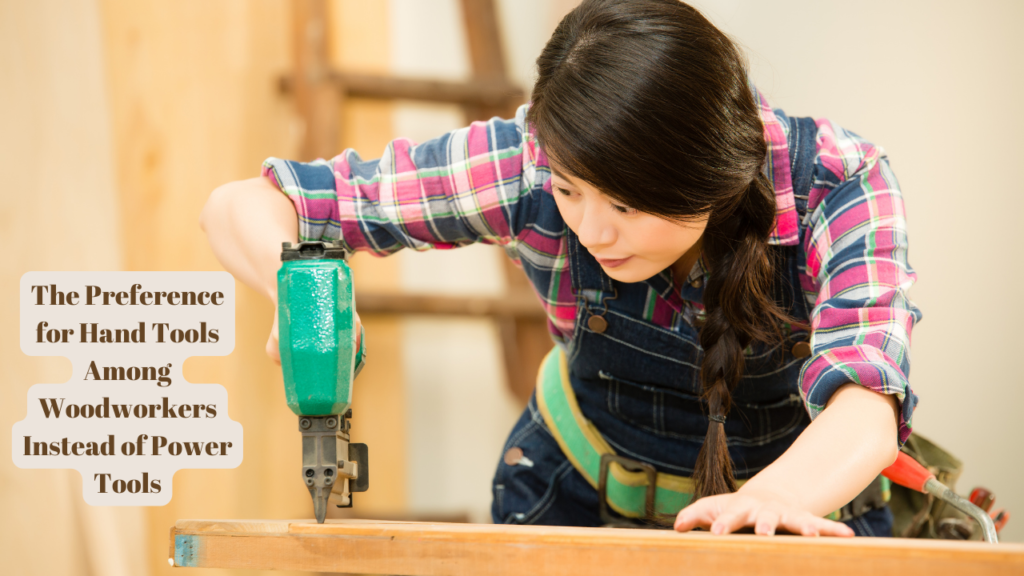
(319, 361)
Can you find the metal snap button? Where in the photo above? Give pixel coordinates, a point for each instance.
(802, 349)
(513, 456)
(597, 324)
(697, 282)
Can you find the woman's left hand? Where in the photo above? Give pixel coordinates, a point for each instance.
(766, 511)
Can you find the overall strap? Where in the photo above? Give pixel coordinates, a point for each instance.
(803, 148)
(801, 138)
(589, 282)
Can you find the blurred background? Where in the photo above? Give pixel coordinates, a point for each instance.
(119, 117)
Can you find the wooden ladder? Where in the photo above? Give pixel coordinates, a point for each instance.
(318, 89)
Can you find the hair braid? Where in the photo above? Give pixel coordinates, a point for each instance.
(739, 310)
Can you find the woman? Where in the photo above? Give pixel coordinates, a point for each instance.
(715, 273)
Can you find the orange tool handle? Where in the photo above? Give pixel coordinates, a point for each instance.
(1000, 518)
(982, 498)
(908, 472)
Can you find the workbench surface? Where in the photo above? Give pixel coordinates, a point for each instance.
(427, 549)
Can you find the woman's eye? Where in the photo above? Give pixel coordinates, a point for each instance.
(624, 209)
(562, 191)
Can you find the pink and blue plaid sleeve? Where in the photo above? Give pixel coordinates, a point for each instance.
(856, 246)
(474, 184)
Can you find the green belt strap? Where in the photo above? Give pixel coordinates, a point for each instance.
(583, 445)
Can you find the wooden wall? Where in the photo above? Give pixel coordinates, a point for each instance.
(58, 211)
(194, 104)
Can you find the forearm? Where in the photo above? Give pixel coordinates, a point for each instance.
(246, 222)
(839, 454)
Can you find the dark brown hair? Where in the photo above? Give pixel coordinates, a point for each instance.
(650, 103)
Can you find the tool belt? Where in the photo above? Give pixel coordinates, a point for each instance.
(917, 515)
(632, 488)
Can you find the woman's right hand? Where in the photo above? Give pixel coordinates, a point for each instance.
(274, 350)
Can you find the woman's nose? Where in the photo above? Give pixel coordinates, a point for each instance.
(595, 230)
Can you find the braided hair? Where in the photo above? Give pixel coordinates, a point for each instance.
(650, 103)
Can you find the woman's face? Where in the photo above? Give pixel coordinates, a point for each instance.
(630, 246)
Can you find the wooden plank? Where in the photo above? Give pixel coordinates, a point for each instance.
(486, 56)
(425, 549)
(316, 95)
(522, 324)
(473, 92)
(483, 35)
(518, 305)
(484, 93)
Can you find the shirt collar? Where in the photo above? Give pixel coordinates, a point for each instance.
(786, 231)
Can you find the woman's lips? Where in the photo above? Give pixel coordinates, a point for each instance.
(612, 262)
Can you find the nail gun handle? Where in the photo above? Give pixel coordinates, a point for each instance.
(908, 472)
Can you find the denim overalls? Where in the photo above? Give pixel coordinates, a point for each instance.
(639, 384)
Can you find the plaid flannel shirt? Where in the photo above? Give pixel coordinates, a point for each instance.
(490, 183)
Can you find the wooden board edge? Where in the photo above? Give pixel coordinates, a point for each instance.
(427, 549)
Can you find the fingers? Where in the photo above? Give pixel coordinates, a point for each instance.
(272, 349)
(734, 518)
(728, 513)
(806, 524)
(700, 514)
(720, 514)
(359, 332)
(831, 528)
(767, 521)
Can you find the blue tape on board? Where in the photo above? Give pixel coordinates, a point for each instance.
(186, 550)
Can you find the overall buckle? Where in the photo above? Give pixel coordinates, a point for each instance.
(631, 466)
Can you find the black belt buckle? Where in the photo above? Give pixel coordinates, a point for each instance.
(632, 466)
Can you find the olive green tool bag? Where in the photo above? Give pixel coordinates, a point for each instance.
(917, 515)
